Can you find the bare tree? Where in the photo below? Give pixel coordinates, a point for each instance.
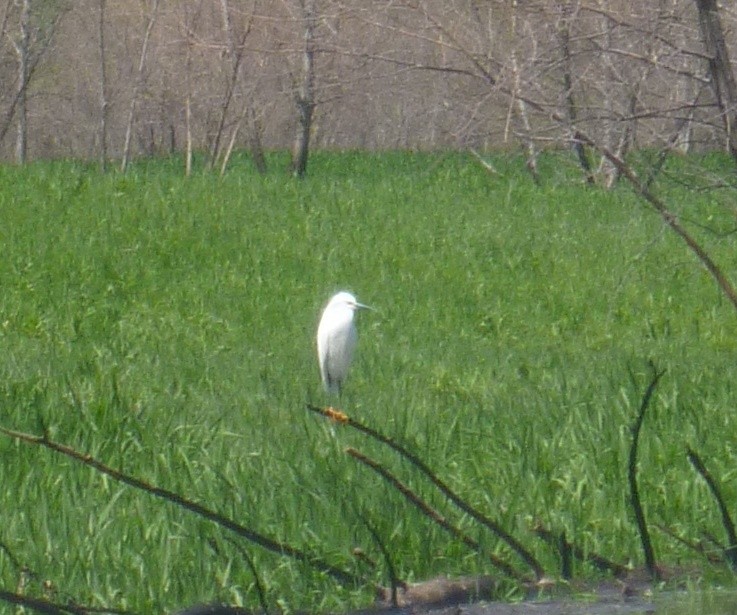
(518, 104)
(137, 83)
(22, 48)
(305, 91)
(234, 52)
(190, 17)
(235, 47)
(720, 68)
(255, 132)
(571, 108)
(36, 27)
(103, 87)
(390, 73)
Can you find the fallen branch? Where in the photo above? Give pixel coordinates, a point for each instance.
(263, 541)
(488, 167)
(256, 578)
(668, 216)
(431, 513)
(697, 547)
(490, 524)
(598, 561)
(43, 606)
(647, 546)
(395, 581)
(730, 551)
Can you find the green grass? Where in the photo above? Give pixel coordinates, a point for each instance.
(166, 326)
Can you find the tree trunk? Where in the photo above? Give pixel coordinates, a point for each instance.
(22, 48)
(720, 68)
(521, 107)
(570, 102)
(255, 131)
(137, 86)
(305, 95)
(28, 59)
(103, 89)
(190, 20)
(230, 90)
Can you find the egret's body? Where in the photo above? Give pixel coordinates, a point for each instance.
(336, 340)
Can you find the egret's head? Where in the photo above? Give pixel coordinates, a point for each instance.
(346, 299)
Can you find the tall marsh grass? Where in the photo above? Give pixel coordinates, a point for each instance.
(166, 326)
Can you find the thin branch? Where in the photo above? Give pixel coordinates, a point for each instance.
(598, 561)
(492, 525)
(668, 216)
(730, 552)
(236, 53)
(395, 581)
(647, 546)
(42, 606)
(263, 541)
(484, 163)
(403, 63)
(256, 578)
(672, 142)
(138, 82)
(431, 513)
(697, 547)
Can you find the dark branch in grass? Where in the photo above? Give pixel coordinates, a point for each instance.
(42, 606)
(11, 557)
(256, 579)
(492, 525)
(105, 610)
(432, 514)
(713, 541)
(269, 544)
(647, 546)
(599, 561)
(564, 548)
(730, 552)
(214, 609)
(697, 547)
(393, 578)
(362, 557)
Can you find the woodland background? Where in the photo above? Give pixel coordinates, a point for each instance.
(116, 79)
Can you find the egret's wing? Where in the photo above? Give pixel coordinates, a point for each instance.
(341, 345)
(335, 346)
(323, 349)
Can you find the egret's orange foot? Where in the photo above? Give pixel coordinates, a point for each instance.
(337, 415)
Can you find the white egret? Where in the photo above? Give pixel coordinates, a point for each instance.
(336, 339)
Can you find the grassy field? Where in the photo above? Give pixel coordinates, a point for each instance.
(166, 326)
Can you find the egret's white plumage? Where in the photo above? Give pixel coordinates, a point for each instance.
(336, 339)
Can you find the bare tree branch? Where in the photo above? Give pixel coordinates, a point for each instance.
(492, 525)
(138, 82)
(305, 91)
(720, 67)
(730, 552)
(431, 513)
(647, 546)
(104, 107)
(668, 217)
(263, 541)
